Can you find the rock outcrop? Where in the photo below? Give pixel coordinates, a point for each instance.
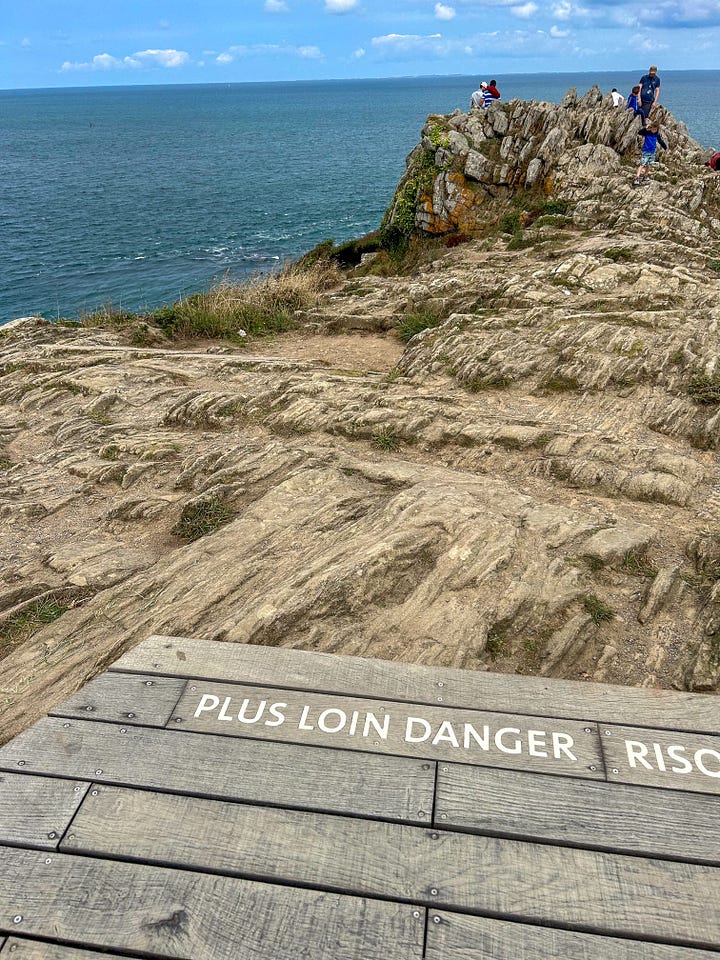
(532, 487)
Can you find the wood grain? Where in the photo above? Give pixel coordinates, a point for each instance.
(603, 816)
(534, 696)
(181, 914)
(656, 758)
(17, 949)
(456, 937)
(298, 717)
(391, 788)
(124, 698)
(36, 810)
(631, 896)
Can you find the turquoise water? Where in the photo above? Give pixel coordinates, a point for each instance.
(136, 195)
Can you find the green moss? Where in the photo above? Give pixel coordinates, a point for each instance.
(714, 265)
(704, 390)
(618, 254)
(558, 383)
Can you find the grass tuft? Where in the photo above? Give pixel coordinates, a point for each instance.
(22, 626)
(202, 517)
(386, 439)
(597, 608)
(414, 323)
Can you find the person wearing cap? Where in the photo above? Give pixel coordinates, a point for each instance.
(487, 97)
(476, 100)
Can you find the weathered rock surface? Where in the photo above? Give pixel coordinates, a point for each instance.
(533, 487)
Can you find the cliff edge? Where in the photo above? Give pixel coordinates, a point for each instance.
(529, 484)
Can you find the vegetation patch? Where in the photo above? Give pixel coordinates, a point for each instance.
(202, 517)
(597, 608)
(386, 439)
(619, 254)
(20, 627)
(637, 563)
(704, 390)
(494, 381)
(558, 383)
(417, 321)
(714, 265)
(5, 463)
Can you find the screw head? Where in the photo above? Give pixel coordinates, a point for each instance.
(440, 699)
(433, 892)
(89, 709)
(98, 773)
(591, 767)
(587, 729)
(66, 725)
(615, 770)
(178, 719)
(48, 860)
(443, 816)
(426, 766)
(52, 835)
(440, 683)
(149, 683)
(436, 919)
(416, 913)
(17, 919)
(93, 793)
(421, 813)
(21, 763)
(130, 716)
(434, 836)
(608, 733)
(123, 729)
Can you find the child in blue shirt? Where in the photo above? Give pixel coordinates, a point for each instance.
(651, 132)
(633, 103)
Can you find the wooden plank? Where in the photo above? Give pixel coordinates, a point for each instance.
(566, 747)
(456, 937)
(124, 698)
(274, 773)
(177, 913)
(671, 761)
(534, 696)
(630, 896)
(601, 816)
(17, 949)
(35, 811)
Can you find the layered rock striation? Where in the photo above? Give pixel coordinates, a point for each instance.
(531, 484)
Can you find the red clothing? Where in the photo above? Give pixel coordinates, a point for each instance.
(494, 91)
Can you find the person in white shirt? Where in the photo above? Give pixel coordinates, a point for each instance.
(618, 98)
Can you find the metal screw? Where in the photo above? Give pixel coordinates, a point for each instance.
(17, 919)
(48, 860)
(416, 913)
(71, 836)
(93, 793)
(98, 773)
(421, 813)
(130, 715)
(615, 770)
(434, 836)
(446, 769)
(77, 789)
(66, 725)
(433, 892)
(52, 835)
(588, 729)
(608, 733)
(193, 688)
(440, 683)
(443, 816)
(426, 766)
(376, 743)
(178, 719)
(123, 729)
(148, 683)
(89, 709)
(21, 763)
(440, 700)
(592, 768)
(156, 666)
(436, 919)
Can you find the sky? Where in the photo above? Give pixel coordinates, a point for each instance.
(71, 43)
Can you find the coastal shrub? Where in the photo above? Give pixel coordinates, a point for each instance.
(510, 223)
(262, 306)
(416, 322)
(617, 254)
(558, 383)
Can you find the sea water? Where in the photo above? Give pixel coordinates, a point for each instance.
(138, 195)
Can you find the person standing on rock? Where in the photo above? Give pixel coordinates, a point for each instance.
(633, 103)
(617, 98)
(492, 88)
(651, 132)
(649, 91)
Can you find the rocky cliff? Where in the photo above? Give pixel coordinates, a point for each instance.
(530, 484)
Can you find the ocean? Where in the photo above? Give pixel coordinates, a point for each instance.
(137, 195)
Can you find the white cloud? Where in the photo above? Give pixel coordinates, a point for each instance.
(359, 53)
(525, 11)
(340, 6)
(143, 58)
(444, 13)
(25, 42)
(557, 33)
(276, 6)
(239, 51)
(648, 44)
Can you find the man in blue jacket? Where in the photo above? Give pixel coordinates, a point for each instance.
(649, 91)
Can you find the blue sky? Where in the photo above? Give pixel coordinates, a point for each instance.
(91, 42)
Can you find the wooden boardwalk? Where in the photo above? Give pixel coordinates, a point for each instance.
(217, 801)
